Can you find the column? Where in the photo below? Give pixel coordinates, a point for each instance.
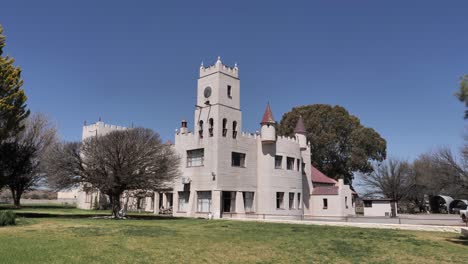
(240, 209)
(156, 203)
(216, 204)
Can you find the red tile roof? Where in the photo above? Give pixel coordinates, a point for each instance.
(325, 190)
(268, 116)
(319, 177)
(300, 128)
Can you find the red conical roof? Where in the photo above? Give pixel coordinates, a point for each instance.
(268, 116)
(300, 128)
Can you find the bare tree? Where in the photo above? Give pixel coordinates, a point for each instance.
(21, 156)
(391, 179)
(124, 160)
(442, 172)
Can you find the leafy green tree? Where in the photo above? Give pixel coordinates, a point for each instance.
(12, 98)
(462, 94)
(339, 144)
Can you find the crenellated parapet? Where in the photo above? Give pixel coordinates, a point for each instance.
(101, 124)
(99, 128)
(219, 67)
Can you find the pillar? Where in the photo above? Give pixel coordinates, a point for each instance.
(156, 203)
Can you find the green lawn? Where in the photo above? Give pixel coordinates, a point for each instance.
(171, 240)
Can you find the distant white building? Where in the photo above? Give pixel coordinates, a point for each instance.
(228, 173)
(379, 207)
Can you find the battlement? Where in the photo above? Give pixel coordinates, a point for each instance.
(101, 124)
(288, 139)
(219, 67)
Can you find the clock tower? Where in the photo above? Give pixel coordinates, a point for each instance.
(217, 112)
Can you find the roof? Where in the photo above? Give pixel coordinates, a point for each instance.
(300, 128)
(319, 177)
(325, 190)
(268, 116)
(378, 199)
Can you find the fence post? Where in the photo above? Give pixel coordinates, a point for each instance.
(399, 220)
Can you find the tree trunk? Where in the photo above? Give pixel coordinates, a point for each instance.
(393, 208)
(16, 195)
(115, 199)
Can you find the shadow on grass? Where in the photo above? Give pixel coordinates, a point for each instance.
(95, 216)
(64, 214)
(460, 240)
(12, 207)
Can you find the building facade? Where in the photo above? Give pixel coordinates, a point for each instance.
(230, 173)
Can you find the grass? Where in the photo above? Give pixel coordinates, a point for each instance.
(178, 240)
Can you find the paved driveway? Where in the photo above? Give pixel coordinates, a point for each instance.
(418, 219)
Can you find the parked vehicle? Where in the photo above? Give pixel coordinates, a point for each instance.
(464, 215)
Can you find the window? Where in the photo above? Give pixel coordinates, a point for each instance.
(290, 163)
(183, 201)
(298, 201)
(229, 90)
(200, 128)
(325, 203)
(298, 165)
(204, 202)
(248, 202)
(229, 202)
(234, 129)
(367, 203)
(278, 162)
(210, 129)
(291, 201)
(303, 167)
(224, 127)
(279, 200)
(346, 201)
(238, 159)
(195, 157)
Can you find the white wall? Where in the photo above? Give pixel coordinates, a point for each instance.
(379, 208)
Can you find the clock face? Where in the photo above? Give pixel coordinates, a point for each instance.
(207, 92)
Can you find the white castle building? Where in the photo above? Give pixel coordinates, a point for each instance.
(230, 173)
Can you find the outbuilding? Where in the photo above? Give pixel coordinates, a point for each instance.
(379, 207)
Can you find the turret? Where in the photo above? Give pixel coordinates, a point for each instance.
(268, 131)
(300, 133)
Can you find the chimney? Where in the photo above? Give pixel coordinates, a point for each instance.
(183, 127)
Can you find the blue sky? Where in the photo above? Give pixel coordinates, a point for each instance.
(393, 64)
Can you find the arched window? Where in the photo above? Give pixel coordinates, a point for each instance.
(234, 129)
(200, 128)
(210, 129)
(224, 127)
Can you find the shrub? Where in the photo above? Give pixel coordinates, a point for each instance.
(7, 218)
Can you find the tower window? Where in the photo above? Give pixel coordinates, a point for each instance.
(224, 127)
(234, 129)
(290, 163)
(210, 129)
(200, 128)
(229, 90)
(278, 162)
(238, 159)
